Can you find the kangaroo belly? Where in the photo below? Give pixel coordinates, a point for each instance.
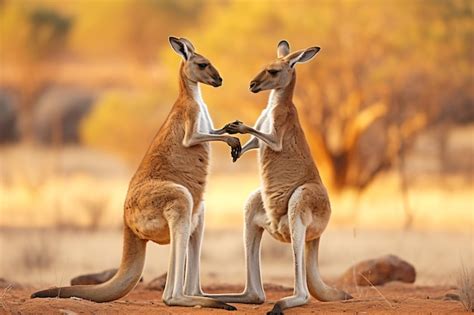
(151, 204)
(174, 163)
(281, 175)
(157, 230)
(280, 229)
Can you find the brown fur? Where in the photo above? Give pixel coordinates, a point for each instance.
(292, 204)
(284, 171)
(287, 166)
(166, 167)
(164, 199)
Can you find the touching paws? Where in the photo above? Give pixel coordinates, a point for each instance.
(235, 127)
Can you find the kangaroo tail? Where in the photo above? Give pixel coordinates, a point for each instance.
(316, 285)
(128, 275)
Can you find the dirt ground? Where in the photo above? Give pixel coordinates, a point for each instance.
(392, 298)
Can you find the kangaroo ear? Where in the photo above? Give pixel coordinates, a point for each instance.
(302, 56)
(283, 49)
(188, 44)
(180, 47)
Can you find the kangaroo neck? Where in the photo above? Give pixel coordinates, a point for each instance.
(282, 95)
(189, 89)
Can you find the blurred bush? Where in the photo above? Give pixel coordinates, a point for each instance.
(387, 71)
(8, 117)
(123, 123)
(58, 114)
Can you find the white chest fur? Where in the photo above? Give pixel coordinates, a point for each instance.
(265, 121)
(204, 122)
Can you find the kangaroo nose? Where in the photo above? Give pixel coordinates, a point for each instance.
(253, 84)
(219, 79)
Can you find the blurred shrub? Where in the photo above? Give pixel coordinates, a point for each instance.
(386, 72)
(58, 113)
(8, 117)
(123, 123)
(39, 253)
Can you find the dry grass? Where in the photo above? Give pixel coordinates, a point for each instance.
(78, 252)
(378, 292)
(39, 253)
(82, 188)
(2, 298)
(465, 284)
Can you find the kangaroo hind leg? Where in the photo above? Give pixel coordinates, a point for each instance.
(317, 287)
(253, 292)
(300, 294)
(192, 284)
(178, 214)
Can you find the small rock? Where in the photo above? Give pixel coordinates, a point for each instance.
(379, 271)
(158, 283)
(451, 297)
(67, 312)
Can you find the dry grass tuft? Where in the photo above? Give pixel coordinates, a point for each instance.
(465, 283)
(378, 291)
(2, 298)
(38, 254)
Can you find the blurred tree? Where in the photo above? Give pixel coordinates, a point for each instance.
(37, 38)
(387, 70)
(377, 82)
(31, 37)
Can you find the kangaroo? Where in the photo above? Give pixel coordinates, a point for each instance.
(292, 205)
(164, 203)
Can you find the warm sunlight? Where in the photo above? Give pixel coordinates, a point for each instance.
(386, 107)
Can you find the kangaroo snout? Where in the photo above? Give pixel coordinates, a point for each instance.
(217, 81)
(253, 87)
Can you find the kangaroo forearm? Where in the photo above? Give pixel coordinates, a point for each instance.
(202, 137)
(270, 139)
(217, 131)
(250, 145)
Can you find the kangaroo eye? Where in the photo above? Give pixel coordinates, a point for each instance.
(202, 66)
(273, 72)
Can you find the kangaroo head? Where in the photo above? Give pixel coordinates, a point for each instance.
(278, 73)
(196, 67)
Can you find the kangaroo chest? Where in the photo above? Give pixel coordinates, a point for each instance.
(266, 122)
(204, 121)
(199, 154)
(282, 172)
(274, 194)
